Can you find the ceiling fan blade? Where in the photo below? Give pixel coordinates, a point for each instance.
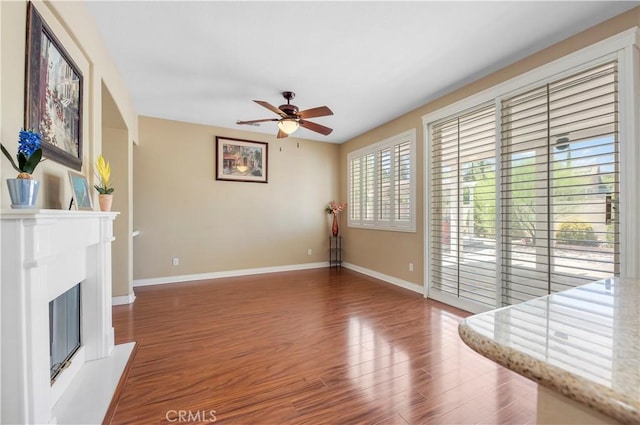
(271, 108)
(320, 111)
(316, 127)
(256, 121)
(281, 134)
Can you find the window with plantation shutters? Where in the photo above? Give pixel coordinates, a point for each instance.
(382, 184)
(553, 153)
(560, 185)
(361, 189)
(463, 237)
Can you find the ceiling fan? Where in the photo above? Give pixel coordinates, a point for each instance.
(291, 118)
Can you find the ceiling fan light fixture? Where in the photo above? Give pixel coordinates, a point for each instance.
(290, 118)
(288, 125)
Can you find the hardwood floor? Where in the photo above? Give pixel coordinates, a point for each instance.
(320, 346)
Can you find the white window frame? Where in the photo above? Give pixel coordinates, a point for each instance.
(375, 223)
(623, 47)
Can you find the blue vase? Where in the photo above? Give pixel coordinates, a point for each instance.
(23, 192)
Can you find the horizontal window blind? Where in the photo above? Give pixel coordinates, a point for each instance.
(463, 206)
(560, 185)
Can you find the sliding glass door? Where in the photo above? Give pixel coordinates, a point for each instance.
(524, 192)
(463, 246)
(560, 185)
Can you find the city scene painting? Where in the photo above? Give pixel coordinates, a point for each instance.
(241, 160)
(54, 89)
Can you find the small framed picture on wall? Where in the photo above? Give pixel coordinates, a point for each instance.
(241, 160)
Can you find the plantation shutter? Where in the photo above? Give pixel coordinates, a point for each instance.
(394, 183)
(560, 185)
(355, 189)
(381, 184)
(402, 182)
(362, 188)
(368, 187)
(463, 207)
(385, 177)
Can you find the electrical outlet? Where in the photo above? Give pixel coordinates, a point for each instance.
(410, 267)
(309, 251)
(175, 261)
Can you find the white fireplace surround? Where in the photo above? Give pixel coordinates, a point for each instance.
(44, 253)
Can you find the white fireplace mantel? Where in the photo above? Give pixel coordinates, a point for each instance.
(44, 253)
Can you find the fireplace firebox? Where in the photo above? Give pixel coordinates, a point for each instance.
(64, 330)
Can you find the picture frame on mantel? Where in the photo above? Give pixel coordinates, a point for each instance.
(241, 160)
(81, 191)
(53, 98)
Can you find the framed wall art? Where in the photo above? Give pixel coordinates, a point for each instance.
(81, 191)
(241, 160)
(53, 98)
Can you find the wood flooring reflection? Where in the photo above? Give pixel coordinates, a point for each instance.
(321, 346)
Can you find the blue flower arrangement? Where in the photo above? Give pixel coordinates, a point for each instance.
(29, 153)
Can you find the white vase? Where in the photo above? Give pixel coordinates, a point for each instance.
(23, 193)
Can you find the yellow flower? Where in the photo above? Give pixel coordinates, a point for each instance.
(103, 169)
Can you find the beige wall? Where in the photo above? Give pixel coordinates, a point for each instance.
(73, 26)
(116, 151)
(391, 252)
(182, 211)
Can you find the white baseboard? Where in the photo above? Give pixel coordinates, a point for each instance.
(389, 279)
(227, 273)
(123, 299)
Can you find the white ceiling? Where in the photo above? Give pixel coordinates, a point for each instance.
(370, 62)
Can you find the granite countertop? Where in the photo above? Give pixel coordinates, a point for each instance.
(583, 343)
